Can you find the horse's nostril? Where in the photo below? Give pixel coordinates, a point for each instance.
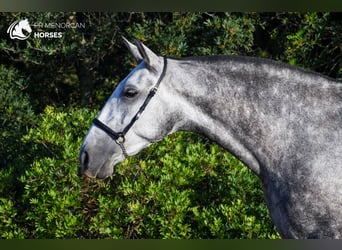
(84, 160)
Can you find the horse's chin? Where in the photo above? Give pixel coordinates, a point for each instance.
(107, 168)
(104, 174)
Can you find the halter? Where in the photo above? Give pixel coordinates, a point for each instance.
(119, 137)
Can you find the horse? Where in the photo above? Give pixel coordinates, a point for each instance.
(16, 29)
(281, 121)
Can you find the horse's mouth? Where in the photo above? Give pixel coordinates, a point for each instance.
(89, 174)
(102, 172)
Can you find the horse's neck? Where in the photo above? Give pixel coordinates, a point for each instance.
(238, 104)
(210, 106)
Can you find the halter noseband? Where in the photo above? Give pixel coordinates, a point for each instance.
(119, 137)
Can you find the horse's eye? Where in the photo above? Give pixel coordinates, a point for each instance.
(129, 93)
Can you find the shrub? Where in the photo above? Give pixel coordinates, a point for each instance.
(310, 40)
(182, 187)
(190, 34)
(51, 199)
(16, 116)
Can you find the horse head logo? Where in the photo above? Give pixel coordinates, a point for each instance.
(17, 28)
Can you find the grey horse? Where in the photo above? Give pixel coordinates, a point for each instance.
(282, 122)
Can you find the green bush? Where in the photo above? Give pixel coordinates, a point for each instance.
(16, 115)
(191, 34)
(51, 197)
(310, 40)
(182, 187)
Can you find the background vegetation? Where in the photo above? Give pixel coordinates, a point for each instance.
(182, 187)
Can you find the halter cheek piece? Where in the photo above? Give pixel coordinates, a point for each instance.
(119, 137)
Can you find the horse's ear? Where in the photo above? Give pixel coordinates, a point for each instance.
(142, 53)
(133, 49)
(149, 57)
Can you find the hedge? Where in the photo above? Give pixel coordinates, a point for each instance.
(182, 187)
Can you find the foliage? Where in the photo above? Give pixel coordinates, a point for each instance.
(310, 40)
(61, 66)
(48, 203)
(16, 114)
(183, 187)
(316, 43)
(190, 34)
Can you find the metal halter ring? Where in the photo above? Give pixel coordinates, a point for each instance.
(120, 140)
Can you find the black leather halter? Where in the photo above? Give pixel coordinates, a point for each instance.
(119, 137)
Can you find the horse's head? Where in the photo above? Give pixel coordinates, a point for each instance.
(132, 117)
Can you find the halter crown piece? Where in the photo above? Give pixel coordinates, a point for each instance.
(119, 137)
